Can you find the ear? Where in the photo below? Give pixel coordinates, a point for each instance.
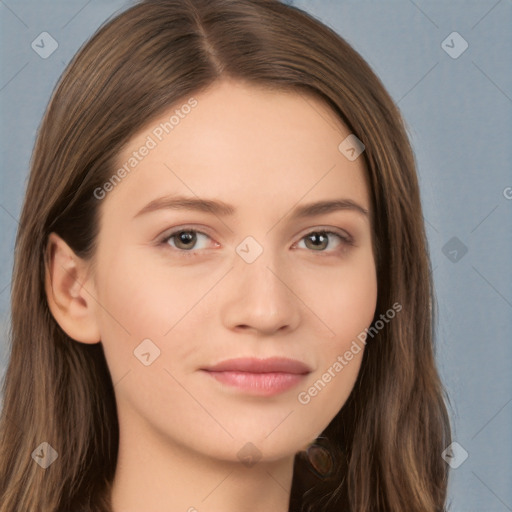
(70, 291)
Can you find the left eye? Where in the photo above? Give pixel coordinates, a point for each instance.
(320, 239)
(185, 240)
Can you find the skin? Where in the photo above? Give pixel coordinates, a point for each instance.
(265, 153)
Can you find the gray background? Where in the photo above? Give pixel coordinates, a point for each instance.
(459, 115)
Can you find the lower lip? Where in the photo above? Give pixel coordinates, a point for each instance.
(262, 384)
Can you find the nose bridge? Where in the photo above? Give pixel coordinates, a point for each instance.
(260, 297)
(264, 279)
(260, 278)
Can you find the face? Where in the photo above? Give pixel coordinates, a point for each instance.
(233, 321)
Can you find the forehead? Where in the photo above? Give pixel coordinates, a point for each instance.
(245, 144)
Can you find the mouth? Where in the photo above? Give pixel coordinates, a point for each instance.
(261, 377)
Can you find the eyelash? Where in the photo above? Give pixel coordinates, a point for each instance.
(345, 240)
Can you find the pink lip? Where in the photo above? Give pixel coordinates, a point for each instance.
(264, 377)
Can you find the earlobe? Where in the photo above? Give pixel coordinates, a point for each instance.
(70, 291)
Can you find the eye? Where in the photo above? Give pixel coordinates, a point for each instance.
(319, 240)
(185, 240)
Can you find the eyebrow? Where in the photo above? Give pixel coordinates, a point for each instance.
(223, 209)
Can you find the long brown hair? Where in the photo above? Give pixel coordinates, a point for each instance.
(387, 439)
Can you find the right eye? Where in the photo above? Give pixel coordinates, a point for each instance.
(184, 240)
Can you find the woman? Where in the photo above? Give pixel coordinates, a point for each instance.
(222, 296)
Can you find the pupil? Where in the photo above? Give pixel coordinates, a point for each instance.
(186, 237)
(317, 239)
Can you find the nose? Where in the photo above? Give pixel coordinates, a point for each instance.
(260, 298)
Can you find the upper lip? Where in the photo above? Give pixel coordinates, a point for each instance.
(253, 365)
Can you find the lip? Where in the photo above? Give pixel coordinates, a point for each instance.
(262, 377)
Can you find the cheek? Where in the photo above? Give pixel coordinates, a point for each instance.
(134, 305)
(345, 301)
(343, 298)
(139, 302)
